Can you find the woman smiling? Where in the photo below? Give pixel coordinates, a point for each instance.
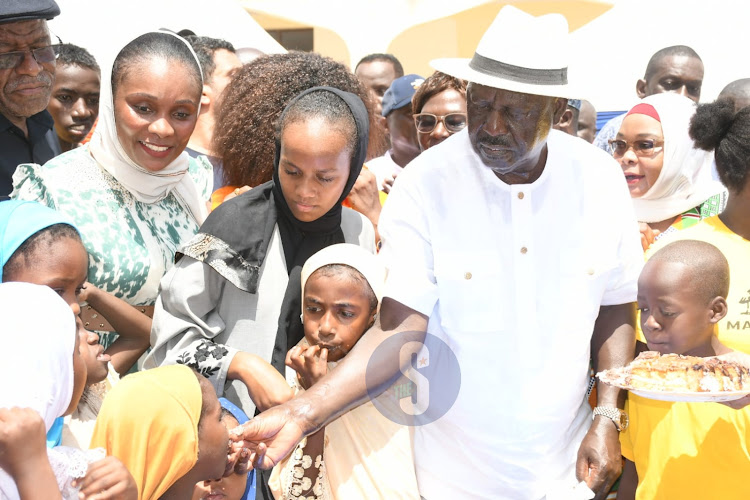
(132, 192)
(669, 180)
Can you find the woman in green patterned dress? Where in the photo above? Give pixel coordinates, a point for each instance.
(132, 192)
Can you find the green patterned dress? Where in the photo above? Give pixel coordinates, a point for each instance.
(131, 244)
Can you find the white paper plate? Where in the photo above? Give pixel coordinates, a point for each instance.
(687, 397)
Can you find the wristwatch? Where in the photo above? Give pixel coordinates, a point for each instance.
(616, 415)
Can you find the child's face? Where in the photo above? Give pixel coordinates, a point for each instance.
(63, 267)
(675, 315)
(79, 371)
(226, 488)
(92, 353)
(313, 167)
(336, 313)
(213, 437)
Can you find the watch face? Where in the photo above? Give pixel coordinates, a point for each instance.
(624, 420)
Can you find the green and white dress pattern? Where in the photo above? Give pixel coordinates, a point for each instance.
(131, 244)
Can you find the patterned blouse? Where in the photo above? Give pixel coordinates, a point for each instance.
(131, 244)
(712, 206)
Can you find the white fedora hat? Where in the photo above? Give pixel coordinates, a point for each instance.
(520, 53)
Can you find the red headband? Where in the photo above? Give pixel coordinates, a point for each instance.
(644, 109)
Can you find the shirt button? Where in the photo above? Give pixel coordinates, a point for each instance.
(524, 249)
(590, 271)
(467, 276)
(520, 195)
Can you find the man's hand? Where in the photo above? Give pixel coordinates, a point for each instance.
(599, 461)
(107, 479)
(270, 436)
(311, 363)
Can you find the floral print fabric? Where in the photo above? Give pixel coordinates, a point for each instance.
(131, 244)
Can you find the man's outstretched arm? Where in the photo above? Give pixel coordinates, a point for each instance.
(275, 432)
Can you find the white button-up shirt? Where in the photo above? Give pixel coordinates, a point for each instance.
(511, 278)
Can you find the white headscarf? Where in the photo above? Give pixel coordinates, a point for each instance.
(38, 336)
(353, 256)
(146, 186)
(685, 179)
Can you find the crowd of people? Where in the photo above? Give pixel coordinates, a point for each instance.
(274, 277)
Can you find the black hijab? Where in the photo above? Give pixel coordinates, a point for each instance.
(235, 237)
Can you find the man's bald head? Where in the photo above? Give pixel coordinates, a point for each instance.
(739, 92)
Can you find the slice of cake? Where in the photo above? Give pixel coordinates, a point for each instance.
(677, 373)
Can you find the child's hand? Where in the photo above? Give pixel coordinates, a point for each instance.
(648, 235)
(265, 385)
(311, 364)
(238, 459)
(86, 291)
(22, 439)
(107, 479)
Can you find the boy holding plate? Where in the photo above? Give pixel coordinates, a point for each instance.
(673, 448)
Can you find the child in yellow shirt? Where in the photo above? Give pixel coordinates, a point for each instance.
(684, 450)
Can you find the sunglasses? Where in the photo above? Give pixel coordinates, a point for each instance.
(646, 147)
(42, 55)
(453, 122)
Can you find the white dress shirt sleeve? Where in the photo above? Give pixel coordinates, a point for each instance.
(622, 287)
(407, 248)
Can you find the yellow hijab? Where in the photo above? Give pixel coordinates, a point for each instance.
(149, 420)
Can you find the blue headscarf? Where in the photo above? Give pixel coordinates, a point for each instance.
(237, 413)
(19, 220)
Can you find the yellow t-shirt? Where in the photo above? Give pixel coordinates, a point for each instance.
(734, 329)
(688, 450)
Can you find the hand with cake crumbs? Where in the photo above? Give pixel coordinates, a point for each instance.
(310, 363)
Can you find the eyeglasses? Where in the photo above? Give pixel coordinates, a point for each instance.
(645, 147)
(42, 55)
(453, 122)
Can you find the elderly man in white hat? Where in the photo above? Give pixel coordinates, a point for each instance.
(516, 245)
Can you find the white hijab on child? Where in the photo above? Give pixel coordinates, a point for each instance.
(39, 350)
(144, 185)
(38, 365)
(685, 179)
(350, 255)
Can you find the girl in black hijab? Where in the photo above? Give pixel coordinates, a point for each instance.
(232, 303)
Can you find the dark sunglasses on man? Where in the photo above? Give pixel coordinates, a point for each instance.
(453, 122)
(42, 55)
